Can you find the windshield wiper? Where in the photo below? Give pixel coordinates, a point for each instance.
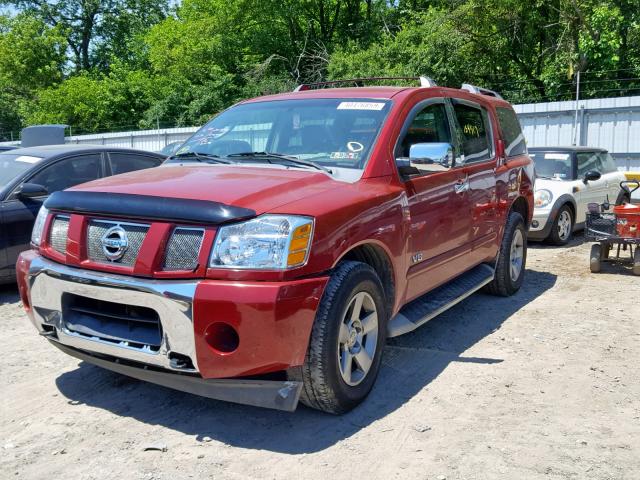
(280, 157)
(200, 157)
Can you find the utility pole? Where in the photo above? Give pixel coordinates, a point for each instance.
(575, 121)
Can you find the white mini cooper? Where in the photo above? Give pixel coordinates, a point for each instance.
(567, 179)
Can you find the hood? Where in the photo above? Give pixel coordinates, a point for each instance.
(554, 184)
(255, 188)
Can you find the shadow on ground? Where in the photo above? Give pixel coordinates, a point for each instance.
(9, 294)
(410, 363)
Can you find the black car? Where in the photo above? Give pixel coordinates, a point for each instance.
(6, 148)
(29, 175)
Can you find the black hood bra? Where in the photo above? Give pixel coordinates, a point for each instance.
(147, 207)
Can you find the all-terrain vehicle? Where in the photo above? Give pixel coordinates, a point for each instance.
(617, 230)
(270, 258)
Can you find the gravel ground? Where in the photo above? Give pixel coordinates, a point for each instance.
(544, 384)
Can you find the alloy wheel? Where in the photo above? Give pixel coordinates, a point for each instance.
(358, 338)
(517, 255)
(564, 225)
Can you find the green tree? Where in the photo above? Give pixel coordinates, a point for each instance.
(31, 56)
(95, 29)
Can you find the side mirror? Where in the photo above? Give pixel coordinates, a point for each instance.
(437, 153)
(32, 190)
(592, 176)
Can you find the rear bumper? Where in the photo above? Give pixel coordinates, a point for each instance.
(273, 320)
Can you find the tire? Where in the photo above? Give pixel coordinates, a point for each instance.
(506, 282)
(636, 261)
(595, 259)
(562, 228)
(325, 386)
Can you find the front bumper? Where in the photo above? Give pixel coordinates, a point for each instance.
(273, 320)
(543, 221)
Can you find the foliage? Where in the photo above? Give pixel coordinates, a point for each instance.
(115, 64)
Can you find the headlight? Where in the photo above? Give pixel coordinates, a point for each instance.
(38, 226)
(542, 198)
(270, 242)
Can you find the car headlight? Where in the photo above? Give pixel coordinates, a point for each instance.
(542, 198)
(269, 242)
(38, 226)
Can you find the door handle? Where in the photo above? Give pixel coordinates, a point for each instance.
(461, 185)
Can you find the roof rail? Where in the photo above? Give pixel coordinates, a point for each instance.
(424, 82)
(480, 91)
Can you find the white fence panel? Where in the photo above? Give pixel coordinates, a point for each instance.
(611, 123)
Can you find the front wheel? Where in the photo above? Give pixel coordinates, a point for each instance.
(562, 227)
(347, 339)
(512, 258)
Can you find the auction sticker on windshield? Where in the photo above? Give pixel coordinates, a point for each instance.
(361, 106)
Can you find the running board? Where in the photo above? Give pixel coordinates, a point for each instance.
(430, 305)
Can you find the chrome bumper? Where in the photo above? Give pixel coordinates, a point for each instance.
(172, 300)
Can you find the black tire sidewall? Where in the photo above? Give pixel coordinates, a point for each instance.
(595, 258)
(323, 385)
(360, 281)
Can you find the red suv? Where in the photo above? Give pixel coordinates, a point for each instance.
(270, 258)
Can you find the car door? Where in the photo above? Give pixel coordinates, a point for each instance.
(439, 221)
(476, 139)
(20, 213)
(593, 191)
(123, 162)
(611, 175)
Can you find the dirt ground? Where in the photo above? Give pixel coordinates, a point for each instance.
(541, 385)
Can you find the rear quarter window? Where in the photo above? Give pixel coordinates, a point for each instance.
(129, 162)
(512, 132)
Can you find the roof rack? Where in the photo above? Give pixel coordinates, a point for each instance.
(359, 82)
(480, 91)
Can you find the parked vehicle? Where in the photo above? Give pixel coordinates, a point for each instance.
(29, 175)
(567, 180)
(171, 148)
(617, 230)
(269, 260)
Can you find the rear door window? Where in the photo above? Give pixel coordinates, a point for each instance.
(513, 137)
(472, 127)
(69, 172)
(129, 162)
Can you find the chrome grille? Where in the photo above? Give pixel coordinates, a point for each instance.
(58, 234)
(135, 235)
(183, 249)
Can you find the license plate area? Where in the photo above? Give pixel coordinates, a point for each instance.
(125, 325)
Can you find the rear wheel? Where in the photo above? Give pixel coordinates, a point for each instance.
(595, 259)
(636, 261)
(512, 258)
(347, 339)
(562, 227)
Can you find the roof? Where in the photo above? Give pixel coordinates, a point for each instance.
(567, 149)
(376, 92)
(45, 151)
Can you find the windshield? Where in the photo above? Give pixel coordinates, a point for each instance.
(335, 133)
(12, 165)
(553, 165)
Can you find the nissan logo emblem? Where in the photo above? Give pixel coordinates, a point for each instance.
(115, 243)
